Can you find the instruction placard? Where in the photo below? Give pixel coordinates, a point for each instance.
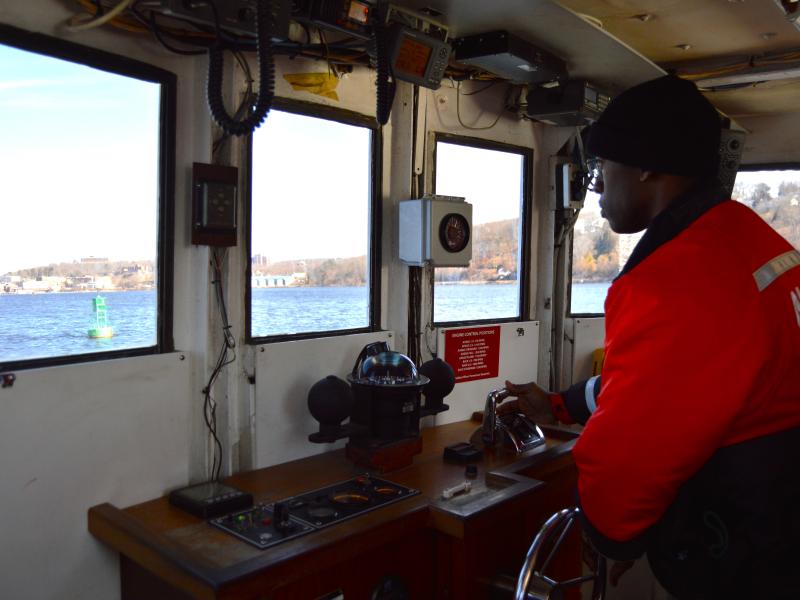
(473, 352)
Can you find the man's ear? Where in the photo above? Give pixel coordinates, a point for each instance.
(645, 175)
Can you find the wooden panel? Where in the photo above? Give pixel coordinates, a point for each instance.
(443, 557)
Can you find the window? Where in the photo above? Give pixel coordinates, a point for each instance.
(490, 288)
(598, 255)
(775, 196)
(312, 264)
(85, 161)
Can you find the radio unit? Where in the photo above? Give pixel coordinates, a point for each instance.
(570, 104)
(509, 57)
(417, 57)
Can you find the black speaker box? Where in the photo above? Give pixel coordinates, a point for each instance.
(731, 145)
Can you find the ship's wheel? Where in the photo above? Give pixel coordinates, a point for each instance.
(533, 582)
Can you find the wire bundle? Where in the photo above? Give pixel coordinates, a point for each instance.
(226, 356)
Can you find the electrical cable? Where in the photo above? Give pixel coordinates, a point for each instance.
(483, 89)
(387, 86)
(84, 22)
(99, 9)
(331, 67)
(743, 63)
(248, 100)
(458, 111)
(223, 359)
(194, 38)
(266, 75)
(158, 34)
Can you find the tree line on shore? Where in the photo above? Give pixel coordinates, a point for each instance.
(595, 254)
(124, 274)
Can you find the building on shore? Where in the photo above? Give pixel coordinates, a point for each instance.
(272, 281)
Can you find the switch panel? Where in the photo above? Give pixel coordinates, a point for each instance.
(214, 205)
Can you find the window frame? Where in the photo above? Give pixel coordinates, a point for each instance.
(568, 291)
(779, 166)
(346, 117)
(524, 299)
(109, 62)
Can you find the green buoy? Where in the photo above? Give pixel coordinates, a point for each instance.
(101, 327)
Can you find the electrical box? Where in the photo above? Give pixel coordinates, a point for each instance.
(570, 190)
(214, 200)
(570, 104)
(510, 57)
(731, 146)
(436, 230)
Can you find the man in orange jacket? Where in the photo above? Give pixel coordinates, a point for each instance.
(691, 445)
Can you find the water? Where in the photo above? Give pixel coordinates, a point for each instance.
(57, 324)
(589, 298)
(44, 325)
(467, 302)
(277, 311)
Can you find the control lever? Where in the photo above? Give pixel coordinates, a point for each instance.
(512, 430)
(280, 516)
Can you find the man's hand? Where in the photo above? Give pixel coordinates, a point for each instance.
(531, 400)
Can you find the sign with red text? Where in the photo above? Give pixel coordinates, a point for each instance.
(473, 352)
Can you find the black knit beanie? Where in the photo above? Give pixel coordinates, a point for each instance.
(663, 125)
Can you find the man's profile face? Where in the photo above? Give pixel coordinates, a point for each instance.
(622, 201)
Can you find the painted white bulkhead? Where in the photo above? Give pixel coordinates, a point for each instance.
(127, 430)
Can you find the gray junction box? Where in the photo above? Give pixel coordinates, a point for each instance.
(436, 230)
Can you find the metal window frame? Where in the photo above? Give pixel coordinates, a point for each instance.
(779, 166)
(346, 117)
(126, 67)
(524, 299)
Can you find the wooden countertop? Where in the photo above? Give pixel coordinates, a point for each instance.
(192, 555)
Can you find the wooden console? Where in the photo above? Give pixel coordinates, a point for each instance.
(425, 545)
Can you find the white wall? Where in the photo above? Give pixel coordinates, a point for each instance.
(587, 335)
(519, 359)
(114, 431)
(285, 373)
(127, 430)
(75, 436)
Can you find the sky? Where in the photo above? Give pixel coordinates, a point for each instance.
(78, 163)
(79, 172)
(490, 180)
(772, 178)
(311, 186)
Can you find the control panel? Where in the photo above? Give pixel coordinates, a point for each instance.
(214, 191)
(263, 525)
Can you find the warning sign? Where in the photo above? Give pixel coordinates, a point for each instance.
(474, 352)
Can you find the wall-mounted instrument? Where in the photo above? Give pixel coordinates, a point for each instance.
(383, 402)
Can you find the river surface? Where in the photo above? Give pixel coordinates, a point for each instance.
(56, 324)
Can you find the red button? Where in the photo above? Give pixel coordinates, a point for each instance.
(266, 521)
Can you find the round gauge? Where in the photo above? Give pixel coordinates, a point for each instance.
(454, 232)
(346, 497)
